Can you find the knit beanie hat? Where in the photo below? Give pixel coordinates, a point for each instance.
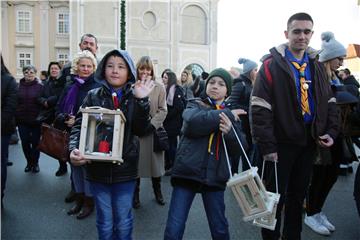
(248, 65)
(330, 48)
(225, 75)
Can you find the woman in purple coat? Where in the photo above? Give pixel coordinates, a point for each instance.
(28, 109)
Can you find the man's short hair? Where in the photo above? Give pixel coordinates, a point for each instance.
(300, 17)
(90, 36)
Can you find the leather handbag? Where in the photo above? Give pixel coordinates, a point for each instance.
(54, 142)
(161, 140)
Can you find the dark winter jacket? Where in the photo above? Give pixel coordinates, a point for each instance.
(51, 93)
(9, 91)
(173, 120)
(137, 116)
(28, 107)
(194, 165)
(276, 113)
(352, 85)
(240, 98)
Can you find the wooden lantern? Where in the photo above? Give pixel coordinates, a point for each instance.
(251, 195)
(102, 134)
(269, 221)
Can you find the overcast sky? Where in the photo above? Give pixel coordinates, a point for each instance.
(250, 28)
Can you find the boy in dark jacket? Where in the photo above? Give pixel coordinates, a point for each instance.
(113, 185)
(201, 165)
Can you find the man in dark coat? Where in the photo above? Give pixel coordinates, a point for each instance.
(292, 111)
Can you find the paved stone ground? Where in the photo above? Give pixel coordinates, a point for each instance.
(35, 209)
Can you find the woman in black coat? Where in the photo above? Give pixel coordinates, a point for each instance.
(49, 97)
(175, 101)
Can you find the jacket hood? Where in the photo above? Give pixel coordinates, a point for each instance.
(123, 54)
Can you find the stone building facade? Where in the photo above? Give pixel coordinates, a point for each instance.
(175, 34)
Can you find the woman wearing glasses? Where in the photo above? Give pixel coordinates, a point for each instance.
(28, 109)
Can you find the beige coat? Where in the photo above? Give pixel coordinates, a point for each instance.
(151, 164)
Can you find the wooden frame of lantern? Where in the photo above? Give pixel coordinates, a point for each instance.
(112, 122)
(269, 221)
(251, 194)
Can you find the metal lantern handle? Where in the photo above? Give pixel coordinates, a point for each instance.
(275, 168)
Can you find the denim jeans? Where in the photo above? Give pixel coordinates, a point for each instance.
(5, 139)
(78, 177)
(30, 137)
(113, 202)
(181, 200)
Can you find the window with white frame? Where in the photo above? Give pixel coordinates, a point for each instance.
(24, 58)
(23, 21)
(62, 57)
(63, 23)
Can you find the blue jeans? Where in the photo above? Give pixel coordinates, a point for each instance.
(30, 137)
(78, 177)
(5, 139)
(181, 200)
(113, 202)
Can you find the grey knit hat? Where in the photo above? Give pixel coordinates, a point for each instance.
(330, 48)
(248, 65)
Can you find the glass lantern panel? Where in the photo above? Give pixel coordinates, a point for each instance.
(99, 135)
(248, 196)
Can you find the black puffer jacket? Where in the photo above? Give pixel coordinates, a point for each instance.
(240, 98)
(137, 116)
(9, 90)
(51, 93)
(193, 161)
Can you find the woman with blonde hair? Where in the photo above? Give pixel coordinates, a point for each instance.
(151, 164)
(186, 82)
(326, 167)
(82, 81)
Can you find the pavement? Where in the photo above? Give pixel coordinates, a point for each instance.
(34, 208)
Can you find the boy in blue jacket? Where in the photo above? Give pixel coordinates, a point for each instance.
(200, 164)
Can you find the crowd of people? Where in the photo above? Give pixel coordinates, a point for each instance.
(295, 109)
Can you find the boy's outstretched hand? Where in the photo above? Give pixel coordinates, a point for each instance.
(237, 113)
(142, 88)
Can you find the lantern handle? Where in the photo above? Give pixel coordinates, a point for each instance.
(226, 152)
(241, 146)
(275, 168)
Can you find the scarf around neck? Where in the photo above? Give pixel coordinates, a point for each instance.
(69, 101)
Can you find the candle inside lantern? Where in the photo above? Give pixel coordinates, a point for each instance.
(104, 146)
